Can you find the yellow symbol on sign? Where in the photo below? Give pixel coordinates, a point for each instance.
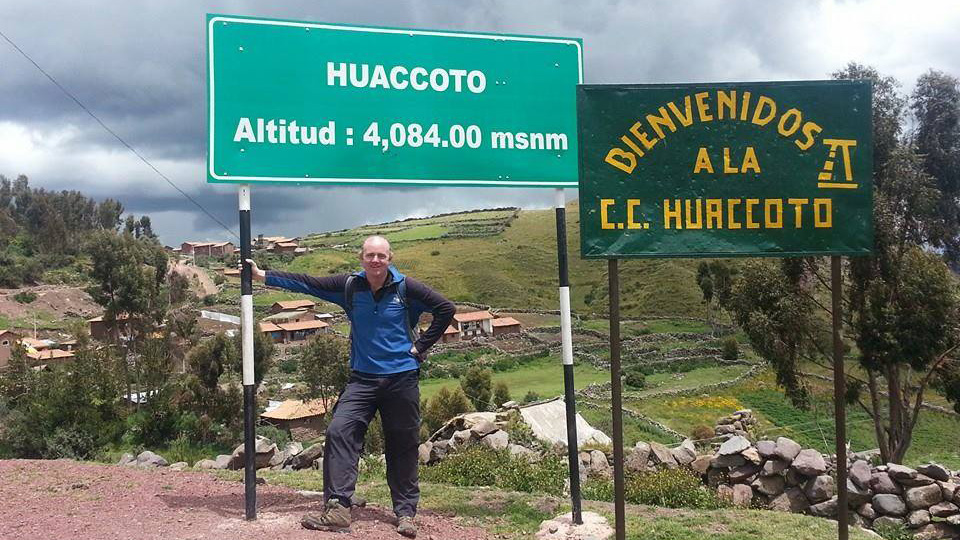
(826, 175)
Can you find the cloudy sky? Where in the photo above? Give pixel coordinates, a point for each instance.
(140, 66)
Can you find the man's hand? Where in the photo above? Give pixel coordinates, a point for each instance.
(256, 273)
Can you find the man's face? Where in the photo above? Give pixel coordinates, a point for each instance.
(375, 258)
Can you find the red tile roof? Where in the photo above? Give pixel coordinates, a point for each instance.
(473, 316)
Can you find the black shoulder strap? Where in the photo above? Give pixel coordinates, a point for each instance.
(348, 288)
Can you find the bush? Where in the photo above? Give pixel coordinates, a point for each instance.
(635, 378)
(893, 532)
(25, 297)
(434, 253)
(702, 432)
(289, 365)
(444, 406)
(501, 394)
(730, 348)
(531, 396)
(673, 488)
(209, 299)
(481, 466)
(476, 384)
(219, 279)
(278, 436)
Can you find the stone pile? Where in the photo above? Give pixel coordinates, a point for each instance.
(781, 475)
(465, 430)
(739, 423)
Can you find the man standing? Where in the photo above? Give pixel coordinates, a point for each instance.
(383, 306)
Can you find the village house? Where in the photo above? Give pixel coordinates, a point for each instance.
(100, 332)
(207, 249)
(505, 325)
(292, 332)
(8, 340)
(290, 305)
(450, 335)
(303, 420)
(474, 324)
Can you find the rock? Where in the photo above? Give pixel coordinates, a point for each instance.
(887, 521)
(725, 429)
(766, 449)
(794, 478)
(277, 460)
(725, 492)
(306, 458)
(889, 505)
(469, 420)
(715, 477)
(752, 455)
(701, 464)
(923, 497)
(954, 520)
(880, 482)
(179, 466)
(935, 531)
(637, 460)
(949, 490)
(148, 459)
(857, 495)
(859, 472)
(825, 509)
(944, 509)
(787, 449)
(935, 471)
(918, 518)
(809, 462)
(792, 500)
(919, 480)
(728, 462)
(900, 473)
(685, 453)
(205, 464)
(524, 452)
(594, 527)
(733, 445)
(498, 440)
(483, 428)
(742, 495)
(423, 452)
(744, 474)
(263, 448)
(598, 463)
(820, 488)
(773, 467)
(461, 438)
(866, 511)
(127, 459)
(222, 461)
(510, 405)
(769, 485)
(662, 455)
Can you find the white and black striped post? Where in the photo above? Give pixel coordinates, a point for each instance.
(566, 336)
(246, 320)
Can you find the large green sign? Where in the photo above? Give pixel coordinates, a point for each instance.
(725, 169)
(323, 103)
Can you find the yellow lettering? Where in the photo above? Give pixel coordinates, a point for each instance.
(702, 106)
(633, 146)
(824, 207)
(727, 169)
(728, 100)
(662, 120)
(758, 113)
(731, 203)
(773, 213)
(631, 204)
(782, 125)
(691, 224)
(798, 210)
(714, 213)
(750, 204)
(703, 161)
(669, 214)
(629, 160)
(642, 136)
(750, 161)
(687, 119)
(604, 220)
(810, 130)
(745, 106)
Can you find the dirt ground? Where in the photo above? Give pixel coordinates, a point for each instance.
(91, 501)
(59, 300)
(201, 282)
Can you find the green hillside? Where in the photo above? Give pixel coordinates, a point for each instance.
(508, 258)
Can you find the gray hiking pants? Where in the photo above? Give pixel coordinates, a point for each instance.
(397, 398)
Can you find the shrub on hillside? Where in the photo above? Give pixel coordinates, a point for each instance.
(25, 297)
(702, 432)
(673, 488)
(501, 394)
(444, 406)
(635, 379)
(481, 466)
(730, 348)
(476, 384)
(531, 396)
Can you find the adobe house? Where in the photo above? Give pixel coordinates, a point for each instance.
(274, 332)
(474, 324)
(303, 420)
(291, 316)
(450, 335)
(8, 340)
(99, 330)
(291, 305)
(301, 330)
(505, 325)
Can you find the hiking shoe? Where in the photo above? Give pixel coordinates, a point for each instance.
(334, 517)
(358, 501)
(406, 526)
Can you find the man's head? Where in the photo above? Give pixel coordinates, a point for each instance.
(375, 257)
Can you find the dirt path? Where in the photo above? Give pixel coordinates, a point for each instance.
(196, 276)
(90, 501)
(59, 301)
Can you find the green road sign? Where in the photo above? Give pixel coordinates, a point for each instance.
(725, 169)
(324, 103)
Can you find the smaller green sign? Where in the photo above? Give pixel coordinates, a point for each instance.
(725, 169)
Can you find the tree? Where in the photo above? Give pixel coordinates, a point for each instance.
(262, 355)
(210, 359)
(476, 385)
(715, 279)
(444, 406)
(324, 367)
(501, 394)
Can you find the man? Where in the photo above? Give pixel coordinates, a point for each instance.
(383, 306)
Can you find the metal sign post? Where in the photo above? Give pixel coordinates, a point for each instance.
(778, 169)
(249, 389)
(616, 396)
